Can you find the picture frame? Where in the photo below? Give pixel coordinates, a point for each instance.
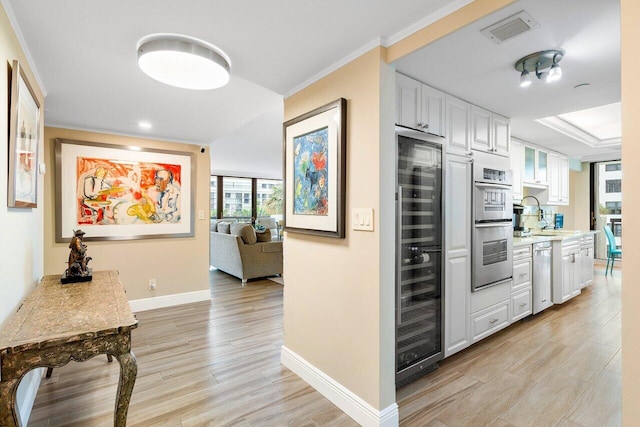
(115, 192)
(314, 163)
(24, 141)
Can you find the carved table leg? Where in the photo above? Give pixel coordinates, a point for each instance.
(8, 415)
(128, 372)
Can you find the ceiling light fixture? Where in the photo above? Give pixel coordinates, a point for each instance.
(183, 61)
(545, 64)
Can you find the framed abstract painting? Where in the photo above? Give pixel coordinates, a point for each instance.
(24, 127)
(115, 192)
(314, 171)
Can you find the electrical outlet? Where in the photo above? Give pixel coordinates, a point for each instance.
(152, 284)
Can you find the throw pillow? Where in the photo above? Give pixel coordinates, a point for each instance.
(213, 226)
(224, 227)
(263, 235)
(245, 231)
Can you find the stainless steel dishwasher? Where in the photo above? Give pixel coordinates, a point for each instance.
(541, 276)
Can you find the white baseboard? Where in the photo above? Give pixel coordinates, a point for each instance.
(169, 300)
(353, 405)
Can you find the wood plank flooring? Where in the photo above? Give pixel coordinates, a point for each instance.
(561, 367)
(218, 364)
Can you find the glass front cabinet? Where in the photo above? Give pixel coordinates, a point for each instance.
(536, 166)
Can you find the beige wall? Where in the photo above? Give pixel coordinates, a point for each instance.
(630, 14)
(21, 253)
(179, 264)
(338, 302)
(576, 215)
(331, 300)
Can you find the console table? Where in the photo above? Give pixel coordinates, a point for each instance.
(59, 323)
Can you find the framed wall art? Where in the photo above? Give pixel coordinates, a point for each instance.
(314, 171)
(114, 192)
(24, 130)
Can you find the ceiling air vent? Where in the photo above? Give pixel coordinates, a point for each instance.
(510, 27)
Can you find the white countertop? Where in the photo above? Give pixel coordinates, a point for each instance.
(549, 235)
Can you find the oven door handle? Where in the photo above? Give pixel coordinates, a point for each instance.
(490, 185)
(493, 224)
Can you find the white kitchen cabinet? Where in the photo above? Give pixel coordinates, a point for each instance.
(419, 106)
(521, 305)
(564, 180)
(457, 289)
(586, 253)
(490, 132)
(521, 289)
(517, 166)
(567, 270)
(481, 130)
(501, 135)
(535, 167)
(458, 126)
(490, 320)
(558, 179)
(490, 310)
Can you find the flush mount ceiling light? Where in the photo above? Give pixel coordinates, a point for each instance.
(545, 65)
(183, 61)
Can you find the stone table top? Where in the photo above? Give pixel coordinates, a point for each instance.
(55, 313)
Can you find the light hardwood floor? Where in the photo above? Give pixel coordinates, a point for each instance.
(218, 364)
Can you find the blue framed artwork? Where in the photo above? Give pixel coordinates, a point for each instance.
(314, 171)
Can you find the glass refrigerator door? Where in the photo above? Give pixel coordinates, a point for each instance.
(418, 311)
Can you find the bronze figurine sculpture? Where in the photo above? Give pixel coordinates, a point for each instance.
(77, 270)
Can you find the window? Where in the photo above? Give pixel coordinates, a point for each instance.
(269, 198)
(237, 197)
(614, 208)
(238, 200)
(213, 197)
(613, 167)
(614, 185)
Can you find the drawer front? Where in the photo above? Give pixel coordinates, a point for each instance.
(521, 273)
(489, 321)
(520, 252)
(521, 305)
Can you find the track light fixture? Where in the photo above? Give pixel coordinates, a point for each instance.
(545, 65)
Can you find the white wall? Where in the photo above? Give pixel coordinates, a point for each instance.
(254, 151)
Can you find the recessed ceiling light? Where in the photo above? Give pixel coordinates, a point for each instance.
(144, 125)
(183, 61)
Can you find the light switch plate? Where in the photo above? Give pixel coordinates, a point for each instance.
(362, 219)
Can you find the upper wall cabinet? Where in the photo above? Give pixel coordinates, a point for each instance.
(490, 132)
(558, 179)
(458, 126)
(419, 106)
(535, 167)
(517, 165)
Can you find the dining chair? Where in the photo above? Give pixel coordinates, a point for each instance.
(612, 250)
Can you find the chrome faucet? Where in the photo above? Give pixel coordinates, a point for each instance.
(537, 201)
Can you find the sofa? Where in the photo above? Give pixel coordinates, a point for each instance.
(235, 249)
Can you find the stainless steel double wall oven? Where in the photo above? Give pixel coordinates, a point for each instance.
(492, 229)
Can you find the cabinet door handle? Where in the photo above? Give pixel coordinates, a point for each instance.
(522, 304)
(522, 274)
(492, 321)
